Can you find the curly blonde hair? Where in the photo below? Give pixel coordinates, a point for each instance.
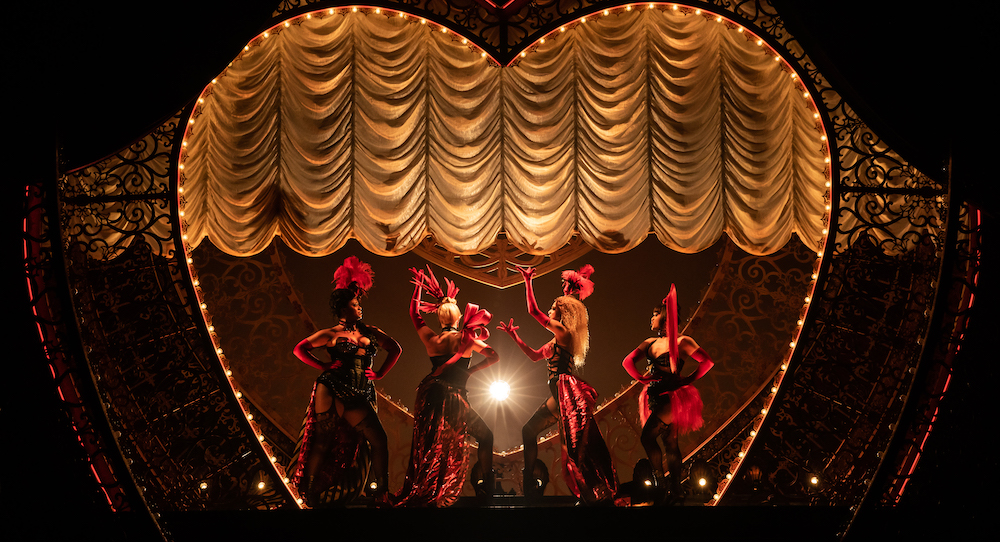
(573, 316)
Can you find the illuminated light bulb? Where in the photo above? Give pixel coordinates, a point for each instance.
(583, 20)
(464, 41)
(805, 94)
(261, 485)
(185, 236)
(218, 350)
(541, 40)
(378, 11)
(740, 454)
(816, 115)
(180, 166)
(819, 254)
(784, 367)
(792, 344)
(814, 480)
(740, 30)
(729, 476)
(753, 433)
(239, 395)
(763, 411)
(373, 485)
(286, 24)
(190, 121)
(814, 277)
(211, 328)
(181, 213)
(299, 501)
(760, 42)
(203, 485)
(246, 47)
(628, 8)
(718, 19)
(443, 30)
(702, 482)
(266, 35)
(795, 75)
(229, 372)
(697, 12)
(190, 260)
(274, 459)
(822, 138)
(562, 28)
(500, 390)
(309, 15)
(185, 143)
(214, 81)
(606, 12)
(260, 438)
(799, 322)
(825, 231)
(522, 54)
(715, 497)
(423, 21)
(647, 483)
(483, 54)
(777, 58)
(286, 480)
(355, 10)
(808, 299)
(203, 306)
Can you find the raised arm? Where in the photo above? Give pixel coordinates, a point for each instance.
(688, 347)
(634, 357)
(303, 350)
(529, 294)
(393, 351)
(511, 329)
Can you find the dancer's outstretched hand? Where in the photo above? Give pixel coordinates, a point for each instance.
(510, 328)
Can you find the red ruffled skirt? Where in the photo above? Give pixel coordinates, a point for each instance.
(685, 405)
(344, 467)
(439, 459)
(587, 466)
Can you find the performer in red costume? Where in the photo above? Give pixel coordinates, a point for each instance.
(668, 405)
(342, 408)
(587, 464)
(442, 416)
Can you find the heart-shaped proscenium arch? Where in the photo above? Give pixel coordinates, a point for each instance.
(385, 129)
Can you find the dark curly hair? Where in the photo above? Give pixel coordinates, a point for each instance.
(341, 298)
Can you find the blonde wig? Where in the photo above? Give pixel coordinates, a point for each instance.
(573, 316)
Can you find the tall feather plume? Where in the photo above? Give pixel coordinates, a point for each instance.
(356, 272)
(578, 282)
(431, 285)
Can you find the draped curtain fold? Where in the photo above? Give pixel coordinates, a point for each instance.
(382, 129)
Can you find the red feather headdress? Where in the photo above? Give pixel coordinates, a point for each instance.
(354, 274)
(670, 305)
(429, 282)
(578, 282)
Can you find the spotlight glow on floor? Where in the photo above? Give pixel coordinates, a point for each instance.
(500, 390)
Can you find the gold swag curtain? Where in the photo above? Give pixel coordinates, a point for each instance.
(383, 129)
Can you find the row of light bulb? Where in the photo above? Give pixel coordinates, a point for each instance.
(279, 470)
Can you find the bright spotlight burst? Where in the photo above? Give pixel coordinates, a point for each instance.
(500, 390)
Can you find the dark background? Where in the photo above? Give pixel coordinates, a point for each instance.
(83, 80)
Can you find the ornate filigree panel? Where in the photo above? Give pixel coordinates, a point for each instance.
(838, 409)
(186, 441)
(933, 378)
